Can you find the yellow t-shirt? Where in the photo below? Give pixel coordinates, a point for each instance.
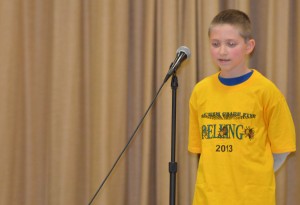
(236, 129)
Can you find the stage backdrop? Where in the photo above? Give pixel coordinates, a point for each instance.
(77, 75)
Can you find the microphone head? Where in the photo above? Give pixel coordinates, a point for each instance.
(185, 50)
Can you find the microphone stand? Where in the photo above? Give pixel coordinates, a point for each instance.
(182, 54)
(173, 163)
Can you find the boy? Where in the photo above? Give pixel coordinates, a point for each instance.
(238, 119)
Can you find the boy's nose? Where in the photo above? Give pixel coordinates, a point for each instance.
(223, 50)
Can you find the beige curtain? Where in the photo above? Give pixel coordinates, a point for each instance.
(76, 77)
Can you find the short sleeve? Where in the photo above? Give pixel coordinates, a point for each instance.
(281, 130)
(194, 144)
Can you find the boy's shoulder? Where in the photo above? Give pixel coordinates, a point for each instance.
(264, 82)
(207, 81)
(257, 81)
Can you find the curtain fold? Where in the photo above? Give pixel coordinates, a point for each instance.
(77, 76)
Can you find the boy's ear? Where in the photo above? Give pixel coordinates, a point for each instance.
(250, 46)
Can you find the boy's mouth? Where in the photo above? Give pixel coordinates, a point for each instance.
(223, 60)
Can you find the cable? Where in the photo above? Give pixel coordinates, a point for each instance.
(128, 143)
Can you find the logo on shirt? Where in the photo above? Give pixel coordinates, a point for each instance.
(227, 115)
(227, 131)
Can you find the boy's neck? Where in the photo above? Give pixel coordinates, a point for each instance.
(231, 74)
(235, 80)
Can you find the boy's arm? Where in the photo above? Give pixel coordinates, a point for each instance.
(279, 160)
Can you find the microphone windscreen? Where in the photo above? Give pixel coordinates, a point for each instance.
(185, 50)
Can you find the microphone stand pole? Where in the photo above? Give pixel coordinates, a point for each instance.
(173, 163)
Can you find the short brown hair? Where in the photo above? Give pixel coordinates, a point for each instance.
(234, 18)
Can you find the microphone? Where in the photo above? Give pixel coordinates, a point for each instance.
(183, 53)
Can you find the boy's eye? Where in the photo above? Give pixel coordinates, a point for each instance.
(215, 44)
(231, 44)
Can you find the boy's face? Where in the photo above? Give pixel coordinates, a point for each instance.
(229, 50)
